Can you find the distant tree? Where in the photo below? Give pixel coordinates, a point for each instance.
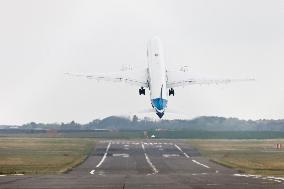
(204, 123)
(135, 119)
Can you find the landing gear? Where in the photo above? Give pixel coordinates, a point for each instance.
(142, 91)
(171, 92)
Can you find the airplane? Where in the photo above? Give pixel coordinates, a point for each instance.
(159, 80)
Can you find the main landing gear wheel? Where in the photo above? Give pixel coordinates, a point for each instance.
(142, 91)
(171, 92)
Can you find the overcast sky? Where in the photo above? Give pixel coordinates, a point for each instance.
(42, 39)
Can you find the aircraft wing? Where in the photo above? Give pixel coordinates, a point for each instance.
(139, 78)
(181, 78)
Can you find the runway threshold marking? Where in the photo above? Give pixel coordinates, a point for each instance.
(102, 160)
(155, 170)
(185, 154)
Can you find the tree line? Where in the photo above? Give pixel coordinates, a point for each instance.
(204, 123)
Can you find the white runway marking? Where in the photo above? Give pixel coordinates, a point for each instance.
(101, 173)
(17, 174)
(92, 172)
(121, 155)
(278, 178)
(143, 147)
(196, 174)
(185, 154)
(160, 147)
(212, 184)
(126, 147)
(247, 175)
(104, 157)
(170, 155)
(270, 178)
(155, 170)
(198, 163)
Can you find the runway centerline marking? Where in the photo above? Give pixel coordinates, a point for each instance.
(121, 155)
(198, 163)
(170, 155)
(198, 174)
(155, 170)
(185, 154)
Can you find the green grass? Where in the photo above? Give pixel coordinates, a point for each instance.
(249, 156)
(42, 155)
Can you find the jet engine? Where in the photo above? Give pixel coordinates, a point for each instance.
(142, 91)
(171, 92)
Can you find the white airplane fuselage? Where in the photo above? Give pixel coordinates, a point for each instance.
(160, 81)
(157, 76)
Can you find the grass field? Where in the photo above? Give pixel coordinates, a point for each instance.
(42, 155)
(25, 155)
(249, 156)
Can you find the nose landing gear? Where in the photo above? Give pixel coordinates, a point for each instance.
(142, 91)
(171, 92)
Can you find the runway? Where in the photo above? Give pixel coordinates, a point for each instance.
(158, 164)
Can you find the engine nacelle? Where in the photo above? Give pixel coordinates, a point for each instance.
(142, 91)
(171, 92)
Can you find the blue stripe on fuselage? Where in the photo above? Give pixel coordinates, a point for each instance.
(159, 103)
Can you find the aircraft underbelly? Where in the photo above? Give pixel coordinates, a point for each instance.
(157, 74)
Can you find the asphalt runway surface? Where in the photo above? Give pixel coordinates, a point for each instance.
(157, 164)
